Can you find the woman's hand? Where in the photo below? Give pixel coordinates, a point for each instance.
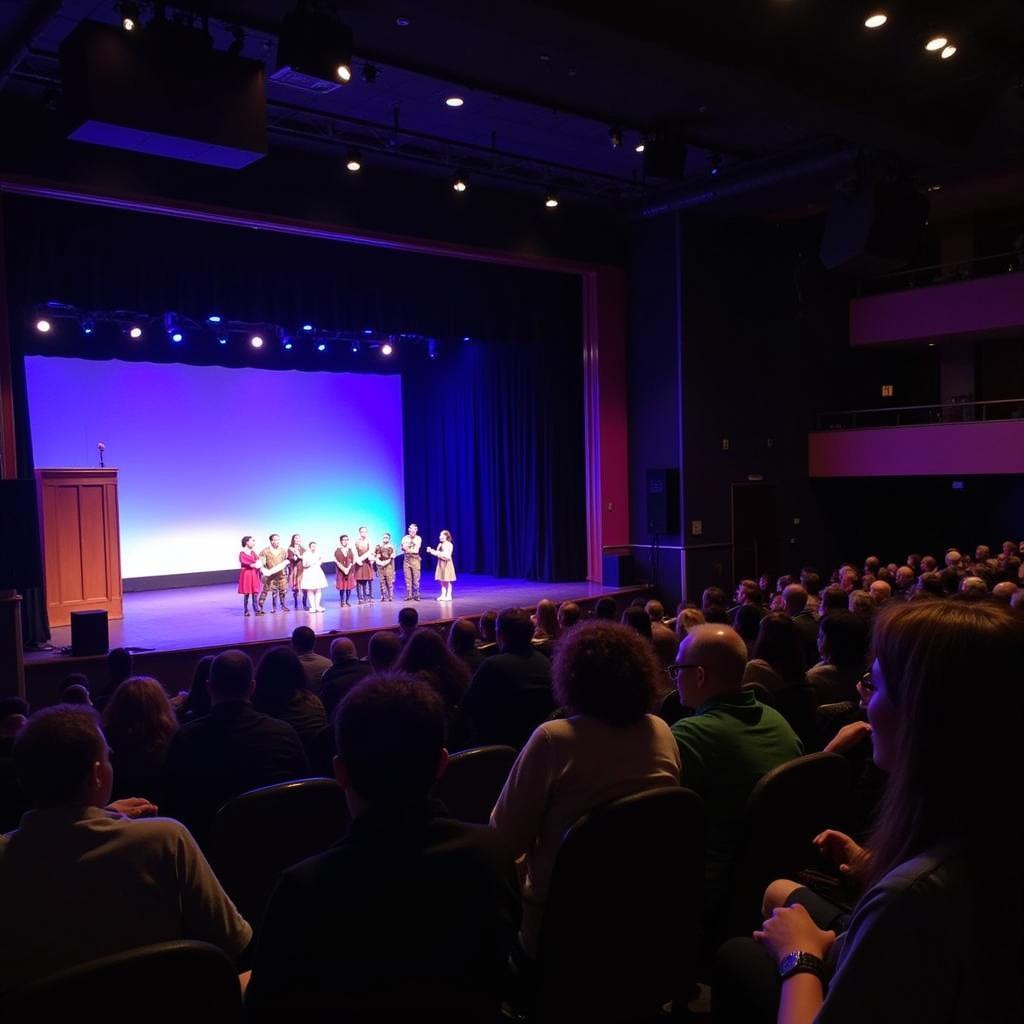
(791, 928)
(848, 737)
(839, 849)
(134, 807)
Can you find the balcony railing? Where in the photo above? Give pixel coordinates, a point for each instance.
(992, 265)
(966, 411)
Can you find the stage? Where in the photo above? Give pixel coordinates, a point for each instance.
(168, 630)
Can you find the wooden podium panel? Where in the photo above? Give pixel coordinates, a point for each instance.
(81, 542)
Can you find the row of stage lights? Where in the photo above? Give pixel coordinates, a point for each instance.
(176, 330)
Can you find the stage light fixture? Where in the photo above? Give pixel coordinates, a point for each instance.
(222, 340)
(314, 50)
(177, 336)
(386, 349)
(129, 14)
(213, 318)
(287, 346)
(367, 330)
(459, 183)
(641, 145)
(615, 136)
(321, 347)
(936, 44)
(716, 163)
(948, 52)
(432, 349)
(307, 327)
(344, 72)
(876, 20)
(354, 160)
(355, 347)
(454, 101)
(551, 202)
(88, 325)
(256, 341)
(43, 326)
(135, 333)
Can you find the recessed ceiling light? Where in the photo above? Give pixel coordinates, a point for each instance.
(344, 73)
(876, 20)
(936, 44)
(640, 146)
(459, 184)
(454, 101)
(551, 202)
(948, 52)
(354, 160)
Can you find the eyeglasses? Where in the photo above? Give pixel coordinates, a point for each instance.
(674, 670)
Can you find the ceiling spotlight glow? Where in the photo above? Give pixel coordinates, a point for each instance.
(213, 318)
(307, 327)
(354, 160)
(876, 20)
(256, 341)
(386, 349)
(222, 340)
(321, 347)
(287, 346)
(454, 101)
(177, 336)
(948, 52)
(88, 326)
(936, 44)
(129, 13)
(344, 72)
(459, 184)
(43, 326)
(135, 333)
(551, 202)
(640, 146)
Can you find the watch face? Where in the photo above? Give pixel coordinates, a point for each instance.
(788, 962)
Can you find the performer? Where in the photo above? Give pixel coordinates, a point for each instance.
(364, 567)
(295, 552)
(275, 567)
(384, 558)
(411, 562)
(313, 578)
(445, 571)
(249, 582)
(344, 578)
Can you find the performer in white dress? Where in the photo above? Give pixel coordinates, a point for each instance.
(313, 579)
(445, 571)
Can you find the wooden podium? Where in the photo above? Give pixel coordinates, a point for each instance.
(81, 542)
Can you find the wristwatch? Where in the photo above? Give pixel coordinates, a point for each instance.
(799, 962)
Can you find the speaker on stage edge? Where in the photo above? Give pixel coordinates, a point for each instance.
(89, 633)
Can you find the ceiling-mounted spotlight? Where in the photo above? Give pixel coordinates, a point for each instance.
(354, 160)
(129, 15)
(222, 340)
(314, 51)
(937, 43)
(459, 183)
(213, 318)
(454, 101)
(386, 349)
(641, 144)
(44, 326)
(615, 136)
(876, 20)
(287, 346)
(256, 341)
(321, 347)
(948, 52)
(551, 201)
(135, 333)
(344, 72)
(88, 325)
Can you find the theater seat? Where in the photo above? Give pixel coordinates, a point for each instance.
(164, 982)
(614, 945)
(473, 781)
(258, 834)
(786, 810)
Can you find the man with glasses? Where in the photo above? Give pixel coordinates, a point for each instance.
(729, 742)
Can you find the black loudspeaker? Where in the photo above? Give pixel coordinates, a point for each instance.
(874, 227)
(22, 564)
(618, 569)
(662, 501)
(89, 633)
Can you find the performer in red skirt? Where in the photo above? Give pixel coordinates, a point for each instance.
(345, 577)
(250, 580)
(364, 567)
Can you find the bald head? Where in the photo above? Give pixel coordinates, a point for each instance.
(342, 649)
(794, 599)
(1005, 590)
(973, 585)
(716, 657)
(880, 591)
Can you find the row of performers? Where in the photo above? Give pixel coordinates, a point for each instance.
(298, 567)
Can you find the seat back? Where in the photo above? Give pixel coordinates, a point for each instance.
(473, 781)
(786, 810)
(166, 981)
(671, 708)
(259, 834)
(760, 692)
(611, 946)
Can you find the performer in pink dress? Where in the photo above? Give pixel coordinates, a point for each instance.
(445, 571)
(345, 577)
(250, 580)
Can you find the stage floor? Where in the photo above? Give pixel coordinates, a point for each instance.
(200, 617)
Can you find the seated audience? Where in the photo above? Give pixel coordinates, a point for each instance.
(663, 639)
(843, 646)
(510, 695)
(880, 591)
(748, 594)
(139, 723)
(904, 581)
(281, 693)
(346, 670)
(408, 620)
(1005, 590)
(929, 585)
(686, 620)
(546, 628)
(569, 614)
(196, 702)
(13, 716)
(79, 880)
(636, 618)
(383, 650)
(747, 623)
(412, 914)
(462, 640)
(713, 597)
(426, 656)
(727, 745)
(834, 599)
(935, 935)
(973, 587)
(74, 689)
(486, 624)
(794, 604)
(608, 747)
(605, 608)
(119, 668)
(229, 751)
(313, 665)
(862, 603)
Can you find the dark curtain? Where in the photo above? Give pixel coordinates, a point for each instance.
(493, 426)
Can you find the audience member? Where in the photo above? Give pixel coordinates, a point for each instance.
(13, 716)
(139, 723)
(604, 608)
(636, 618)
(197, 702)
(412, 914)
(687, 619)
(462, 640)
(79, 879)
(229, 751)
(1004, 591)
(77, 685)
(843, 646)
(747, 623)
(713, 597)
(794, 604)
(880, 592)
(834, 599)
(426, 656)
(510, 695)
(119, 668)
(546, 629)
(662, 638)
(929, 584)
(346, 670)
(569, 614)
(728, 744)
(973, 587)
(408, 621)
(281, 692)
(862, 603)
(608, 747)
(487, 624)
(313, 665)
(748, 594)
(383, 650)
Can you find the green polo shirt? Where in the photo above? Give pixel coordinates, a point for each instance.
(725, 749)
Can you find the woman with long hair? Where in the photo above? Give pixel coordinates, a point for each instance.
(281, 692)
(935, 936)
(197, 701)
(250, 580)
(139, 724)
(425, 655)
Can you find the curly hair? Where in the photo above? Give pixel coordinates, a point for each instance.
(139, 716)
(605, 670)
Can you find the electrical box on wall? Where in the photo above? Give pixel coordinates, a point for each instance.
(887, 391)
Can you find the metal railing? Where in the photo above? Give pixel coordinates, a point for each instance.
(950, 272)
(966, 411)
